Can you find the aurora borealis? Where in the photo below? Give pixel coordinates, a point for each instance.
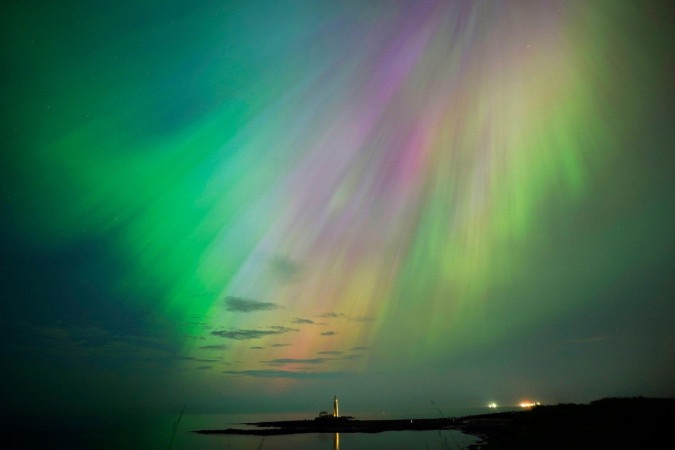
(250, 205)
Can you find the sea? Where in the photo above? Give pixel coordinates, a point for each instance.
(162, 431)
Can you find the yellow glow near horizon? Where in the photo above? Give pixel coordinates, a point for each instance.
(527, 404)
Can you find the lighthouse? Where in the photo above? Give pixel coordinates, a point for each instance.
(334, 416)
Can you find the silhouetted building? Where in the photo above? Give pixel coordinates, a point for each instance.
(325, 415)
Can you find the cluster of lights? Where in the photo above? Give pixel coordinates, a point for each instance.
(525, 404)
(529, 404)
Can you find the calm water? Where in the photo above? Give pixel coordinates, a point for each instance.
(135, 432)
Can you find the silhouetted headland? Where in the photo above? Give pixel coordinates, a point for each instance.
(640, 422)
(608, 423)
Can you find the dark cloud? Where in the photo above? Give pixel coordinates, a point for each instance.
(334, 315)
(256, 348)
(330, 352)
(242, 335)
(279, 345)
(300, 320)
(213, 347)
(283, 329)
(331, 315)
(284, 374)
(279, 361)
(238, 304)
(192, 358)
(285, 269)
(329, 333)
(98, 344)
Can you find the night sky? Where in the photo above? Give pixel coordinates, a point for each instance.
(255, 205)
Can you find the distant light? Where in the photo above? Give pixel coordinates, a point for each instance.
(529, 404)
(492, 405)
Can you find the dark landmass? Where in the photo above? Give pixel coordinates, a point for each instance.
(607, 423)
(336, 425)
(613, 422)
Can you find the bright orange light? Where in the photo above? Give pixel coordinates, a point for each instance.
(528, 404)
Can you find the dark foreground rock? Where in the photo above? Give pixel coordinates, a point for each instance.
(604, 424)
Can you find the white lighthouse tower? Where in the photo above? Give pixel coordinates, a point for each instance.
(336, 412)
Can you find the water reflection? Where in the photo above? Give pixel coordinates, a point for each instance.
(395, 440)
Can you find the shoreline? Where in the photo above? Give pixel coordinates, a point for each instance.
(338, 425)
(607, 422)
